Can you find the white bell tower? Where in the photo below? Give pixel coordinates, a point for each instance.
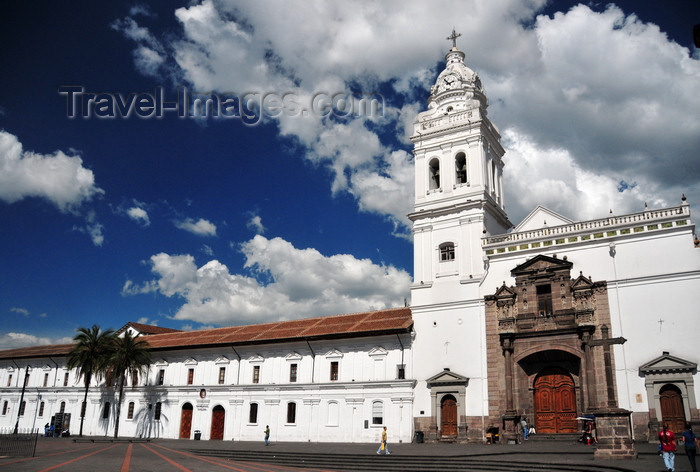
(459, 177)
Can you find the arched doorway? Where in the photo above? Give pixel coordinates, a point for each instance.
(218, 415)
(555, 402)
(672, 412)
(186, 421)
(448, 415)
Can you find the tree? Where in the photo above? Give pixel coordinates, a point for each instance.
(129, 354)
(89, 356)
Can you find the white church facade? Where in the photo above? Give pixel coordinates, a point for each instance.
(550, 320)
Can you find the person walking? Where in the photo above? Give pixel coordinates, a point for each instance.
(383, 447)
(526, 430)
(690, 441)
(668, 447)
(267, 435)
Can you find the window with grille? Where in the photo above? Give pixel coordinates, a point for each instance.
(222, 375)
(156, 415)
(256, 374)
(401, 371)
(9, 380)
(544, 300)
(22, 407)
(334, 370)
(105, 411)
(130, 412)
(46, 380)
(65, 379)
(447, 252)
(377, 412)
(161, 376)
(190, 376)
(41, 409)
(291, 413)
(293, 373)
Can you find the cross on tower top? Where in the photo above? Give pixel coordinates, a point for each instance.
(454, 37)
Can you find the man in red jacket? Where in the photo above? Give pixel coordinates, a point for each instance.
(668, 447)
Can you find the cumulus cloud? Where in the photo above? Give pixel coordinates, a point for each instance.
(59, 178)
(283, 283)
(201, 227)
(20, 311)
(17, 340)
(614, 95)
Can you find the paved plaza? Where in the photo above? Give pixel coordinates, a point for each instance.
(163, 455)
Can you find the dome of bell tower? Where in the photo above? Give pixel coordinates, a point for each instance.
(457, 87)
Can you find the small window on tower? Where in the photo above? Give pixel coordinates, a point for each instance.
(434, 173)
(461, 168)
(447, 252)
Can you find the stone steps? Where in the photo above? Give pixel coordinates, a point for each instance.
(399, 463)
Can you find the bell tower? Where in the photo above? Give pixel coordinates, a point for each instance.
(458, 177)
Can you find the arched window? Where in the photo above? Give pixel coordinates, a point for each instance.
(291, 413)
(434, 174)
(461, 168)
(253, 415)
(447, 252)
(377, 412)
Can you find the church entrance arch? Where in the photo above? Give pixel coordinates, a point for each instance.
(448, 413)
(186, 421)
(672, 413)
(218, 416)
(555, 402)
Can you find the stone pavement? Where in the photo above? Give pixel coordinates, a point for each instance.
(163, 455)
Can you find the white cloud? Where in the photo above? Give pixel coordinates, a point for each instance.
(139, 215)
(285, 283)
(17, 340)
(57, 177)
(613, 94)
(255, 224)
(200, 227)
(20, 311)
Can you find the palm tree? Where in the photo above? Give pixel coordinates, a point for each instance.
(89, 356)
(129, 354)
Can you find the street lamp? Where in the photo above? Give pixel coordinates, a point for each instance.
(21, 398)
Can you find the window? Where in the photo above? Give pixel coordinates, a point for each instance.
(41, 409)
(190, 376)
(461, 168)
(161, 376)
(134, 378)
(334, 370)
(156, 414)
(9, 381)
(256, 374)
(130, 412)
(105, 411)
(293, 373)
(26, 378)
(22, 406)
(434, 174)
(401, 371)
(65, 379)
(377, 412)
(46, 380)
(447, 252)
(222, 375)
(291, 413)
(62, 409)
(83, 408)
(544, 300)
(253, 415)
(4, 408)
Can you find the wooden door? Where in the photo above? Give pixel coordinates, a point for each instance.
(448, 414)
(218, 415)
(672, 412)
(186, 421)
(555, 402)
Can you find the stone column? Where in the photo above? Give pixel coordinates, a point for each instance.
(509, 431)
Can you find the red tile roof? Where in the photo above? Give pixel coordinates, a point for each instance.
(147, 329)
(391, 321)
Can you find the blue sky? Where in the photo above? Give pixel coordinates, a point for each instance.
(200, 222)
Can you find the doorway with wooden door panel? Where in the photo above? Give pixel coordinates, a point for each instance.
(448, 413)
(555, 402)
